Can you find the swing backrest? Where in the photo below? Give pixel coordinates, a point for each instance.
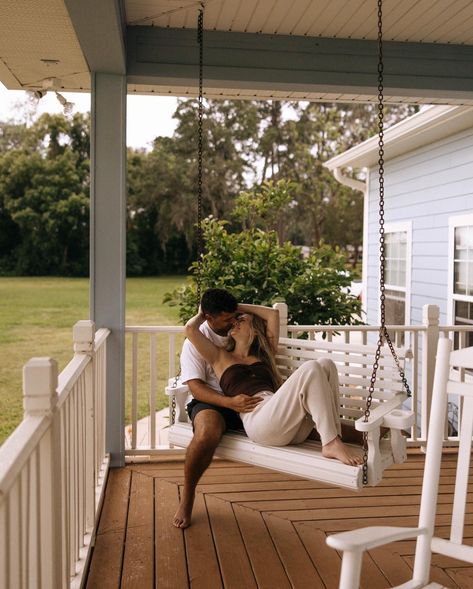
(355, 365)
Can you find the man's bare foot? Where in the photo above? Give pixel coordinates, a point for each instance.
(337, 449)
(182, 517)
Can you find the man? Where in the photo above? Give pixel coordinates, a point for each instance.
(210, 411)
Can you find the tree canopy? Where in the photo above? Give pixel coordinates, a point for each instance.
(249, 147)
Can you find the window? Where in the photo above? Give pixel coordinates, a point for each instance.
(462, 283)
(396, 272)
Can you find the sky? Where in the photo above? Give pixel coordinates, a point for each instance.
(147, 116)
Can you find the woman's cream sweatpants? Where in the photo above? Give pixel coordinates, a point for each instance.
(308, 399)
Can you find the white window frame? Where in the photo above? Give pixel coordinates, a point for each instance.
(453, 223)
(402, 227)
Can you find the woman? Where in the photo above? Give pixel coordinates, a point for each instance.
(283, 413)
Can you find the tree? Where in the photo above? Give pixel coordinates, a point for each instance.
(257, 269)
(44, 199)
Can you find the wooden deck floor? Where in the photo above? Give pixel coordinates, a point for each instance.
(258, 528)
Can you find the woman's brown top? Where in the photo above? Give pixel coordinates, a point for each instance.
(247, 379)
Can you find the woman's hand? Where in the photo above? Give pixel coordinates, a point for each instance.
(244, 403)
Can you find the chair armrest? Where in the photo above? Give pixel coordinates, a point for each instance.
(378, 414)
(371, 537)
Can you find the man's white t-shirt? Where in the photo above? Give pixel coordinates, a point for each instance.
(193, 364)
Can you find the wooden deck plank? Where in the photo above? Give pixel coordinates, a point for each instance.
(264, 558)
(105, 569)
(170, 554)
(253, 527)
(289, 493)
(115, 505)
(234, 563)
(204, 571)
(138, 559)
(463, 577)
(360, 501)
(364, 512)
(297, 563)
(391, 564)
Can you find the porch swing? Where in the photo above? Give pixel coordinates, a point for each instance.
(373, 385)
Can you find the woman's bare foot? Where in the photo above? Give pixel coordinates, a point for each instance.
(337, 449)
(182, 517)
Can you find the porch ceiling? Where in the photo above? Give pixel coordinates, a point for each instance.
(66, 39)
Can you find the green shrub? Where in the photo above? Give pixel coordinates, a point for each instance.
(256, 269)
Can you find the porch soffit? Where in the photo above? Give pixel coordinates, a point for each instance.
(65, 39)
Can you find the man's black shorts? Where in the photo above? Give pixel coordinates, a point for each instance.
(232, 419)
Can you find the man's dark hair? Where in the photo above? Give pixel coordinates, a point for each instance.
(217, 300)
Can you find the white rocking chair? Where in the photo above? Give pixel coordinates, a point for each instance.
(354, 543)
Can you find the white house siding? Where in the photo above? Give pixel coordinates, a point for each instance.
(426, 187)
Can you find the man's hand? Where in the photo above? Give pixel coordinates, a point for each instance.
(243, 403)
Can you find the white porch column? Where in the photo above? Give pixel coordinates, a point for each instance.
(107, 243)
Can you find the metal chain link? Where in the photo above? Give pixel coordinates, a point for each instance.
(383, 332)
(200, 149)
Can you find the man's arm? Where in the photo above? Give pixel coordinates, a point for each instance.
(240, 403)
(268, 314)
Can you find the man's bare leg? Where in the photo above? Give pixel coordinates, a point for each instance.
(209, 427)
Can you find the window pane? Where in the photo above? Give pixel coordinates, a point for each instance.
(463, 316)
(395, 265)
(460, 278)
(395, 307)
(461, 237)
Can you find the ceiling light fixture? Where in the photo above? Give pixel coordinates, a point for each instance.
(66, 105)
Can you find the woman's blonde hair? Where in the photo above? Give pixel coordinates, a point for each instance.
(262, 349)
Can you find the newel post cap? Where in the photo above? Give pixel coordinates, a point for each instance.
(430, 314)
(83, 334)
(40, 379)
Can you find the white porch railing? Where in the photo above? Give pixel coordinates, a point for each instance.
(149, 370)
(53, 468)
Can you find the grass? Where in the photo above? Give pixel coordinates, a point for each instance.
(36, 319)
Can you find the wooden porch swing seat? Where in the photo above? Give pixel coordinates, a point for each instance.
(449, 370)
(354, 363)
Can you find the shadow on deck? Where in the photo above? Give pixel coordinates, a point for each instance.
(258, 528)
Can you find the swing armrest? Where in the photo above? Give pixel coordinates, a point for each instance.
(367, 538)
(378, 415)
(180, 392)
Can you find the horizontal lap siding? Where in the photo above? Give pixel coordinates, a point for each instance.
(426, 187)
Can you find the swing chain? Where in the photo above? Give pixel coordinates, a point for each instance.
(382, 330)
(200, 149)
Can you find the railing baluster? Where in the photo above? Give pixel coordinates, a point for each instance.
(172, 356)
(13, 535)
(134, 390)
(152, 389)
(415, 385)
(4, 542)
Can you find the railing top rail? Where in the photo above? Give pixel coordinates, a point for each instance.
(295, 328)
(18, 447)
(154, 329)
(373, 328)
(100, 336)
(69, 376)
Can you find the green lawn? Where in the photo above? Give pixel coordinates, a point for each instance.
(36, 319)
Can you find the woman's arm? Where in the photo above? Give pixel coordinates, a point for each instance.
(206, 348)
(268, 314)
